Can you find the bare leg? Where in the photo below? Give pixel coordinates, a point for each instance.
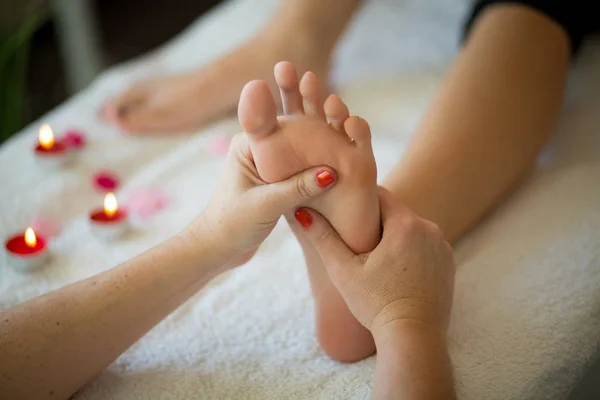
(301, 139)
(303, 31)
(496, 110)
(481, 136)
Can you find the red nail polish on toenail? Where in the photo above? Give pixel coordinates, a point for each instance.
(325, 178)
(303, 218)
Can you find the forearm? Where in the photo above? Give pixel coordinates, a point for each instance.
(412, 363)
(494, 113)
(52, 345)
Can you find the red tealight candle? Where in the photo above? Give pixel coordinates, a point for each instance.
(109, 222)
(49, 151)
(27, 251)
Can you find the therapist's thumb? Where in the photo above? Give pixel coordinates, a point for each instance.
(282, 197)
(331, 248)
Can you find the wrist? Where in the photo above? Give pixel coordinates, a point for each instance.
(408, 330)
(202, 244)
(409, 311)
(412, 362)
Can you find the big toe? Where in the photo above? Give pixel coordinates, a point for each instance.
(139, 119)
(257, 111)
(116, 108)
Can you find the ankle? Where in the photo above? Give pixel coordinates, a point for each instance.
(327, 17)
(313, 28)
(297, 41)
(341, 336)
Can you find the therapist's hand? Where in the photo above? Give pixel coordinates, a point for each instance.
(244, 209)
(409, 275)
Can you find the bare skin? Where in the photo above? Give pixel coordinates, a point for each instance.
(54, 344)
(303, 31)
(479, 139)
(303, 138)
(494, 113)
(481, 136)
(50, 346)
(299, 139)
(409, 330)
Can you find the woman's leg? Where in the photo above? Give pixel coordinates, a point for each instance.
(495, 111)
(303, 31)
(482, 134)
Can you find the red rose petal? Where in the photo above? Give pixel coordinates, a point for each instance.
(74, 139)
(106, 181)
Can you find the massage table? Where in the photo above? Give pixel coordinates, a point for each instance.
(526, 316)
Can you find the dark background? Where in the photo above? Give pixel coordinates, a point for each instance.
(128, 28)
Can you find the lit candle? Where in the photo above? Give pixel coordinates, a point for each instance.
(46, 138)
(30, 238)
(26, 251)
(49, 151)
(110, 205)
(110, 221)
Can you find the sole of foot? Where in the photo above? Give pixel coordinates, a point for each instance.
(314, 132)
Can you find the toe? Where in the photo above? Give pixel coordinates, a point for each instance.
(358, 129)
(257, 112)
(336, 111)
(141, 118)
(310, 88)
(109, 112)
(117, 108)
(287, 80)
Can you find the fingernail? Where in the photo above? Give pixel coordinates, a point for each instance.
(303, 218)
(325, 178)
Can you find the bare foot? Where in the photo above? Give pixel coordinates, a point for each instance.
(186, 102)
(302, 139)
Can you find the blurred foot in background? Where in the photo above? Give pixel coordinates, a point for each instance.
(304, 32)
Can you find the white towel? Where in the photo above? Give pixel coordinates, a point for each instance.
(525, 320)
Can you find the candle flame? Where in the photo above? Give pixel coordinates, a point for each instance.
(46, 136)
(110, 204)
(30, 238)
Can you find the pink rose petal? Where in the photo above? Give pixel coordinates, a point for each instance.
(146, 211)
(74, 139)
(161, 199)
(146, 202)
(45, 227)
(106, 181)
(219, 145)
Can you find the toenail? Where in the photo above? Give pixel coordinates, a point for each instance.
(122, 111)
(325, 178)
(303, 218)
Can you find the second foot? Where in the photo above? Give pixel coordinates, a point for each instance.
(186, 102)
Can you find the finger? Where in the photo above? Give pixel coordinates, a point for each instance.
(281, 197)
(331, 248)
(239, 142)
